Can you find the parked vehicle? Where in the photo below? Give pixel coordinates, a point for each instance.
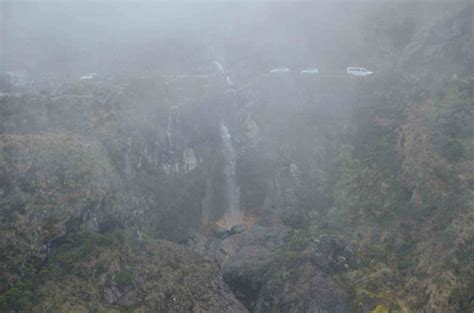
(280, 70)
(310, 71)
(358, 71)
(88, 76)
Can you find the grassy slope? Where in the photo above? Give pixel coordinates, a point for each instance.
(407, 199)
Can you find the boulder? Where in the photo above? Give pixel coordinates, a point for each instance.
(244, 273)
(222, 233)
(310, 291)
(269, 237)
(264, 282)
(237, 229)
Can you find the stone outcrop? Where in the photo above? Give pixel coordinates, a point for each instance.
(263, 282)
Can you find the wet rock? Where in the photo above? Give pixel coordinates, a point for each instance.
(268, 237)
(222, 233)
(237, 229)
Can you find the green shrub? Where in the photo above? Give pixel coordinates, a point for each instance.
(125, 276)
(17, 298)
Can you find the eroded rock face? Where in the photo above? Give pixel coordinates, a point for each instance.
(245, 272)
(161, 152)
(266, 277)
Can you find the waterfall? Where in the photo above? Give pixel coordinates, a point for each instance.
(169, 130)
(232, 214)
(219, 66)
(172, 129)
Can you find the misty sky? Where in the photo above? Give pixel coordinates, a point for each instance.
(65, 39)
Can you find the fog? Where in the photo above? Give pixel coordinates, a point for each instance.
(69, 38)
(261, 156)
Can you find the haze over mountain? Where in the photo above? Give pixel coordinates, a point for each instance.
(174, 157)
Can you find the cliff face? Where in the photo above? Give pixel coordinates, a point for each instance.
(145, 158)
(436, 148)
(404, 192)
(52, 185)
(404, 195)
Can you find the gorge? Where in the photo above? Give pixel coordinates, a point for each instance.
(160, 186)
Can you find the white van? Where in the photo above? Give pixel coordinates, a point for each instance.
(88, 76)
(280, 70)
(310, 71)
(358, 71)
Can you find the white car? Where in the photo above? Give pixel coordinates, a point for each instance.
(88, 76)
(358, 71)
(280, 70)
(310, 71)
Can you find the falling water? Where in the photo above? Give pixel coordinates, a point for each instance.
(219, 66)
(171, 131)
(232, 215)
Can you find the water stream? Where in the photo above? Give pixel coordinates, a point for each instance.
(232, 214)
